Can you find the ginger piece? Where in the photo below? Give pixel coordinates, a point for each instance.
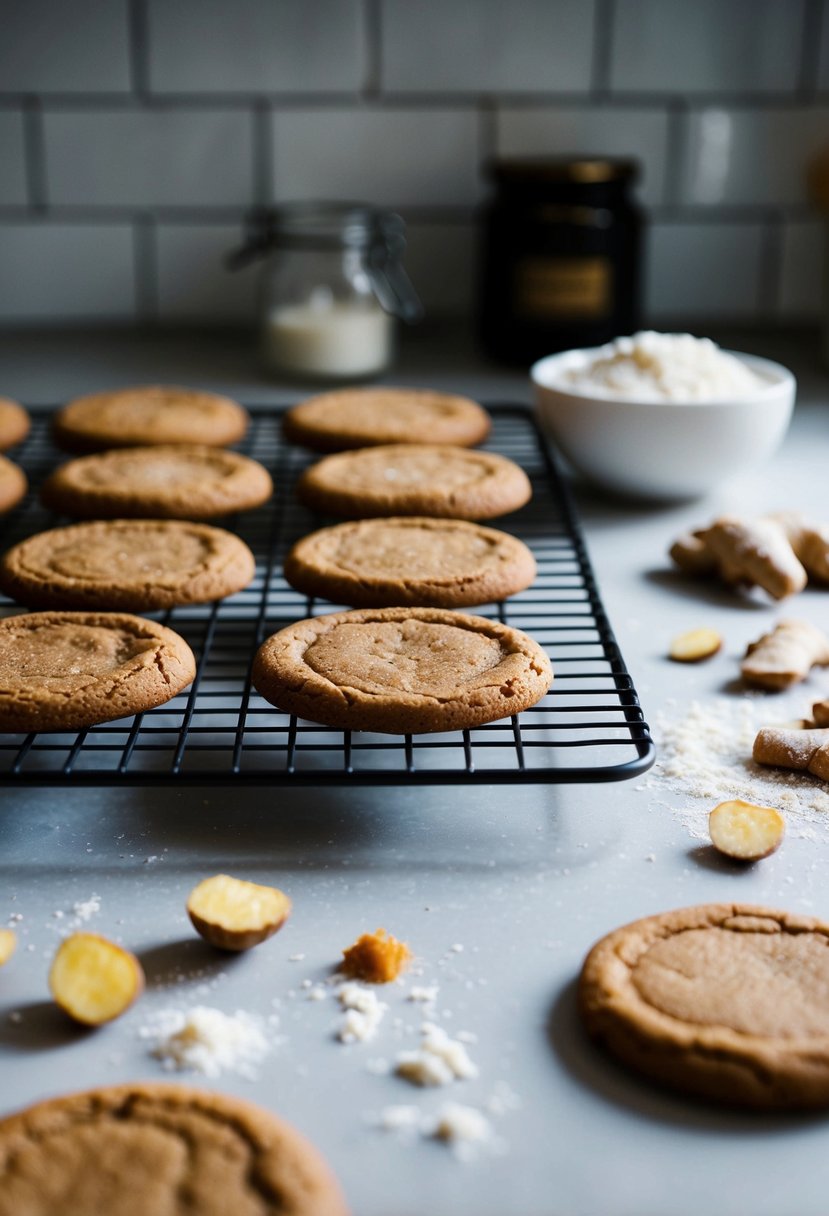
(785, 656)
(756, 552)
(810, 542)
(233, 914)
(691, 553)
(745, 832)
(93, 980)
(375, 958)
(8, 942)
(695, 645)
(807, 750)
(820, 713)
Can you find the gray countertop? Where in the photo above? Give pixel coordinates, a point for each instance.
(524, 879)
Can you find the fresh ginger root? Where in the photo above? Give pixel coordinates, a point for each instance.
(233, 914)
(807, 750)
(776, 552)
(785, 656)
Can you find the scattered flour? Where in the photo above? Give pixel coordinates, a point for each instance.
(363, 1013)
(704, 754)
(439, 1060)
(206, 1040)
(464, 1128)
(87, 908)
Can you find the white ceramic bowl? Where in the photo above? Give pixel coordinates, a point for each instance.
(655, 450)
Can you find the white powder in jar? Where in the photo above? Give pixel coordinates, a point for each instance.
(664, 367)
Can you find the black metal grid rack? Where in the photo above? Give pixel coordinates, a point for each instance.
(588, 728)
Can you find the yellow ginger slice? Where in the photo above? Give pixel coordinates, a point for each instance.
(8, 942)
(695, 645)
(94, 980)
(745, 832)
(235, 915)
(785, 656)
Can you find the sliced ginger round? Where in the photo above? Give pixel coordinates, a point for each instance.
(695, 645)
(94, 980)
(236, 915)
(8, 942)
(745, 832)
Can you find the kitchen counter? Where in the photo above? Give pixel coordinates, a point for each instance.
(499, 891)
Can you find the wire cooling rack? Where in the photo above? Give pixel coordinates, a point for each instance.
(589, 727)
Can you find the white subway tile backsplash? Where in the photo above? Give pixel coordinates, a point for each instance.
(698, 46)
(145, 158)
(710, 271)
(12, 158)
(386, 156)
(247, 46)
(804, 272)
(586, 131)
(66, 272)
(193, 283)
(442, 262)
(53, 46)
(752, 156)
(487, 46)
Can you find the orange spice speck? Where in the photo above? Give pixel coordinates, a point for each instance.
(376, 958)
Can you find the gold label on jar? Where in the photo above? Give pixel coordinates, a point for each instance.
(563, 287)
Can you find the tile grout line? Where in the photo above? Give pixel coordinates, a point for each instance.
(373, 47)
(35, 154)
(139, 27)
(603, 22)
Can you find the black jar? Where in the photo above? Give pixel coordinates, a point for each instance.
(561, 256)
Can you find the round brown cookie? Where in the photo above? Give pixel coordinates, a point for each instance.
(148, 414)
(360, 417)
(68, 670)
(136, 1149)
(13, 485)
(176, 482)
(409, 479)
(401, 670)
(727, 1001)
(133, 565)
(14, 423)
(442, 563)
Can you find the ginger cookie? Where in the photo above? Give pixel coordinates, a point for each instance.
(363, 417)
(131, 565)
(68, 670)
(415, 479)
(13, 485)
(441, 563)
(142, 1148)
(401, 670)
(174, 482)
(14, 423)
(148, 414)
(726, 1001)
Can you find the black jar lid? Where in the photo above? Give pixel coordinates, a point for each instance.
(574, 170)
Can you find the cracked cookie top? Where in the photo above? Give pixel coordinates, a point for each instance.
(401, 670)
(68, 670)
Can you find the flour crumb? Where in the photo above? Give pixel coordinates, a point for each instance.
(363, 1013)
(461, 1124)
(85, 909)
(439, 1060)
(206, 1040)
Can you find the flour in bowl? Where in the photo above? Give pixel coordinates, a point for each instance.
(664, 367)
